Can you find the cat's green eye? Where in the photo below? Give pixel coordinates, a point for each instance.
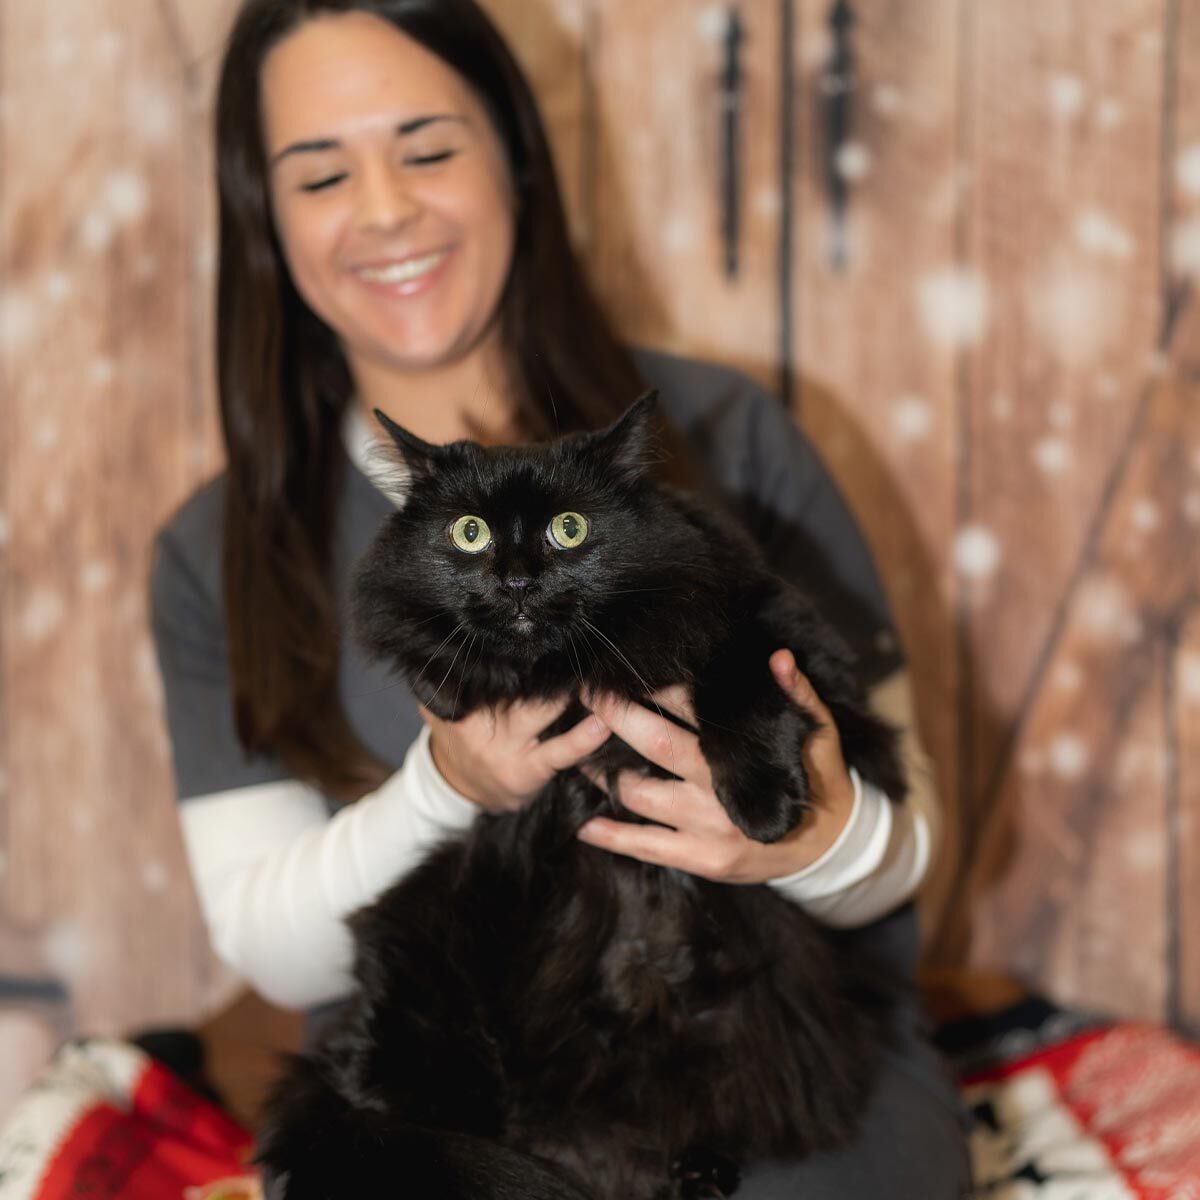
(471, 534)
(568, 530)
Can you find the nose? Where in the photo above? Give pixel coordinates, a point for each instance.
(518, 584)
(385, 200)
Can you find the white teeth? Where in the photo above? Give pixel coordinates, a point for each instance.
(402, 272)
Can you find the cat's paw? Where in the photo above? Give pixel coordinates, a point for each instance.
(700, 1173)
(764, 801)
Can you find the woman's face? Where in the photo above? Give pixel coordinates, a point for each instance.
(390, 190)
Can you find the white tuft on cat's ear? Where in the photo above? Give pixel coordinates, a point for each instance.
(393, 464)
(627, 441)
(420, 456)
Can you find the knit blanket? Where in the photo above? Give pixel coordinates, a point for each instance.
(1066, 1107)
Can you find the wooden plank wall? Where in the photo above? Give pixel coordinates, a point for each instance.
(974, 296)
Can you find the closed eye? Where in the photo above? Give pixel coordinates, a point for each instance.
(321, 184)
(425, 160)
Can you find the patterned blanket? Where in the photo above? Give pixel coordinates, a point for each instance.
(1066, 1108)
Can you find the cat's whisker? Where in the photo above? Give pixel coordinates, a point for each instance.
(447, 674)
(596, 591)
(421, 673)
(462, 675)
(575, 658)
(646, 687)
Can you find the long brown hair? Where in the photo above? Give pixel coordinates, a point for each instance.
(284, 383)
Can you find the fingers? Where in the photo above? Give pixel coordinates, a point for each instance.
(676, 700)
(654, 737)
(673, 802)
(799, 690)
(576, 744)
(649, 843)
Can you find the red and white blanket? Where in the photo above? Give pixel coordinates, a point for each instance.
(1065, 1109)
(1108, 1114)
(105, 1120)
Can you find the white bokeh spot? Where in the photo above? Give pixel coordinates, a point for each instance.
(66, 950)
(711, 22)
(95, 576)
(1066, 94)
(57, 286)
(1187, 676)
(1185, 247)
(1106, 610)
(20, 321)
(41, 614)
(151, 114)
(976, 552)
(126, 196)
(912, 419)
(1187, 169)
(954, 306)
(1098, 233)
(1110, 113)
(887, 99)
(1075, 308)
(96, 231)
(1053, 455)
(1068, 756)
(852, 161)
(1145, 515)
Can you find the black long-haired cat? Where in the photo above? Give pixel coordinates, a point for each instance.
(536, 1017)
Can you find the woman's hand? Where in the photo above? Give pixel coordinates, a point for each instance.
(701, 839)
(494, 758)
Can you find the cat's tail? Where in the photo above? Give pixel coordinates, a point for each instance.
(317, 1146)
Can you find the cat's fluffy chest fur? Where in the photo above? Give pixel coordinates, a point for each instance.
(537, 1017)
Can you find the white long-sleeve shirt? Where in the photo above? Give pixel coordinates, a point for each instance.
(277, 876)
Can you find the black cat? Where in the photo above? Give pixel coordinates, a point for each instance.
(536, 1017)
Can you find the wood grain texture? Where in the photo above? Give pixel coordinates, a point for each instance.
(876, 389)
(1183, 898)
(655, 247)
(97, 334)
(1078, 885)
(1063, 117)
(980, 373)
(548, 39)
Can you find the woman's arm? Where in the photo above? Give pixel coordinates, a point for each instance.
(884, 851)
(276, 876)
(862, 855)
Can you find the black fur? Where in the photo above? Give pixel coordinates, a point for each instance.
(540, 1018)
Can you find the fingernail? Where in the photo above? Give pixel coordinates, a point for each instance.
(584, 833)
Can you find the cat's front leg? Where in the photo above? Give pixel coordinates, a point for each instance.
(753, 738)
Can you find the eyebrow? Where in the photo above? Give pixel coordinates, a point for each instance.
(405, 127)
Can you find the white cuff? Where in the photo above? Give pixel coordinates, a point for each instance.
(876, 863)
(276, 876)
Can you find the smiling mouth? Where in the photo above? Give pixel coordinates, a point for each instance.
(403, 272)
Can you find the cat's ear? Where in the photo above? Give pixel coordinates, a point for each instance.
(394, 470)
(625, 444)
(418, 455)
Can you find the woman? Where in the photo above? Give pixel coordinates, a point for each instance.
(392, 237)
